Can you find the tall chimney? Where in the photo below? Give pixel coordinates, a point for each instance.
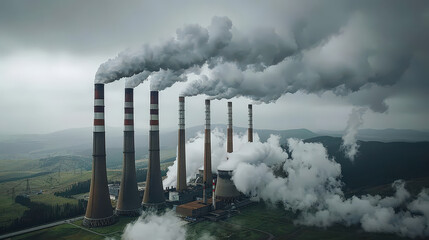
(154, 193)
(250, 130)
(181, 156)
(99, 211)
(128, 200)
(207, 178)
(229, 146)
(214, 195)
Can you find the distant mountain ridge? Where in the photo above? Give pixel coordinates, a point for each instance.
(78, 141)
(383, 135)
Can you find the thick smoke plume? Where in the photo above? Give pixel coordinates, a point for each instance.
(312, 187)
(312, 54)
(193, 47)
(349, 144)
(135, 80)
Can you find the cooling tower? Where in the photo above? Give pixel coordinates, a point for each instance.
(181, 156)
(128, 200)
(154, 192)
(250, 130)
(99, 211)
(207, 178)
(225, 188)
(229, 146)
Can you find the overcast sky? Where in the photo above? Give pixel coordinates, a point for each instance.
(336, 55)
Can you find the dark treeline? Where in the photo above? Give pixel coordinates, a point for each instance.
(24, 177)
(378, 163)
(77, 188)
(39, 213)
(141, 174)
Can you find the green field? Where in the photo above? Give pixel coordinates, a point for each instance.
(249, 223)
(48, 184)
(254, 222)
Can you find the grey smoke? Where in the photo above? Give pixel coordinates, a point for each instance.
(350, 145)
(135, 80)
(193, 47)
(358, 50)
(365, 51)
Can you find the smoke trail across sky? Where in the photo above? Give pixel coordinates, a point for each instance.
(349, 56)
(312, 186)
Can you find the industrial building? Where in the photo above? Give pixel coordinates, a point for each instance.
(208, 195)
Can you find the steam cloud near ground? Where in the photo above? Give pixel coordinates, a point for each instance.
(164, 226)
(359, 50)
(312, 186)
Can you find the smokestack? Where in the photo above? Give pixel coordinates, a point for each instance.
(250, 130)
(99, 210)
(214, 195)
(154, 193)
(128, 200)
(229, 146)
(181, 156)
(207, 178)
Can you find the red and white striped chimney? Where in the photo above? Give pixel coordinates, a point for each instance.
(154, 193)
(129, 110)
(99, 108)
(181, 156)
(250, 130)
(229, 147)
(99, 209)
(207, 177)
(128, 201)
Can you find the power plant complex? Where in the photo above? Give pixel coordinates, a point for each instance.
(209, 195)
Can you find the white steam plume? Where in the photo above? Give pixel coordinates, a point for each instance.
(312, 187)
(195, 155)
(349, 145)
(152, 226)
(166, 226)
